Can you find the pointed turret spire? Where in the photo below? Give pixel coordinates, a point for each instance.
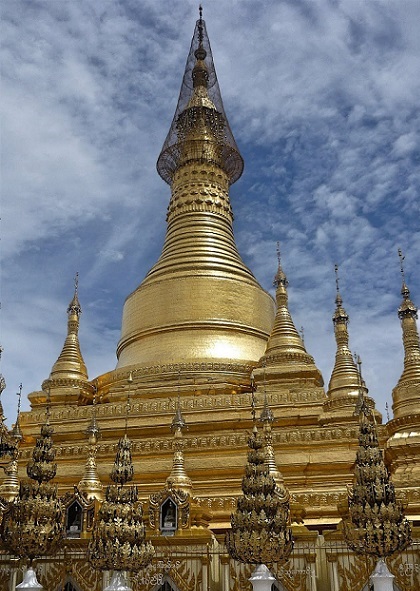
(91, 484)
(178, 478)
(16, 431)
(68, 378)
(70, 363)
(285, 354)
(345, 376)
(267, 419)
(406, 394)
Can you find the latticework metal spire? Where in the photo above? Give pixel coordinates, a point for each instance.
(200, 130)
(375, 523)
(260, 531)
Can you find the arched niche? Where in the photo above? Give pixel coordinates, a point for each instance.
(74, 520)
(168, 517)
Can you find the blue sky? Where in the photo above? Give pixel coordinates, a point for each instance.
(322, 98)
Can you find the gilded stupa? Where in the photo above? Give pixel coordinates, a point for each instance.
(198, 336)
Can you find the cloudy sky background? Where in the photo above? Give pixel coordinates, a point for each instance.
(323, 100)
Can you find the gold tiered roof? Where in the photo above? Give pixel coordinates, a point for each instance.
(199, 303)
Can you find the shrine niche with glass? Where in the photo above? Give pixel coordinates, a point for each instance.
(168, 517)
(79, 514)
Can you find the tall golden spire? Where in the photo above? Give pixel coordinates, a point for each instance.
(285, 356)
(69, 377)
(178, 478)
(199, 303)
(406, 394)
(345, 379)
(70, 363)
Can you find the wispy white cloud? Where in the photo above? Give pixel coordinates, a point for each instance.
(322, 98)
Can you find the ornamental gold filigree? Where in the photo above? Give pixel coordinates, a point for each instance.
(260, 531)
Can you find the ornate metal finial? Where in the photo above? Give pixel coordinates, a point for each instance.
(253, 405)
(91, 484)
(280, 278)
(387, 411)
(19, 395)
(361, 404)
(407, 308)
(178, 421)
(74, 306)
(200, 27)
(200, 53)
(340, 314)
(178, 479)
(48, 407)
(267, 419)
(337, 287)
(401, 257)
(302, 335)
(16, 431)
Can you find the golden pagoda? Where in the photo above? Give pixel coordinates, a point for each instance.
(198, 335)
